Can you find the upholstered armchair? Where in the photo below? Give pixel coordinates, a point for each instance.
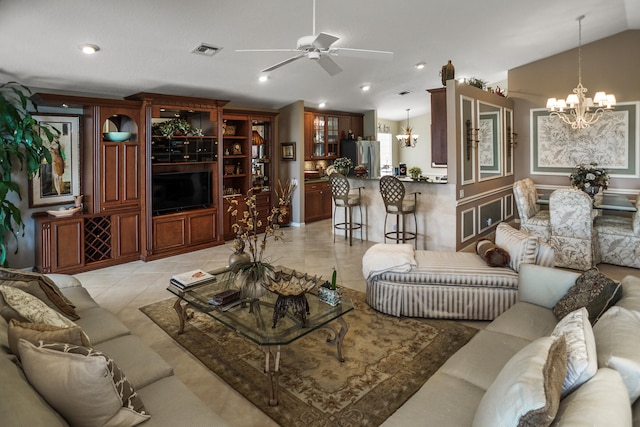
(619, 238)
(573, 236)
(532, 219)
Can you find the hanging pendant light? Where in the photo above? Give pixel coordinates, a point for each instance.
(407, 139)
(576, 109)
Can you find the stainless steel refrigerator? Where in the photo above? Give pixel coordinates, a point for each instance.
(363, 153)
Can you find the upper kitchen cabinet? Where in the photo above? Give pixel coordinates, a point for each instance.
(438, 127)
(324, 130)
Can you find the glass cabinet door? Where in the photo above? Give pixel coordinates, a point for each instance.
(319, 130)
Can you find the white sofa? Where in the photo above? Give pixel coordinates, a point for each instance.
(453, 395)
(169, 402)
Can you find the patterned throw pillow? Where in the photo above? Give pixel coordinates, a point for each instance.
(592, 290)
(41, 287)
(527, 390)
(84, 385)
(32, 308)
(493, 255)
(582, 359)
(36, 332)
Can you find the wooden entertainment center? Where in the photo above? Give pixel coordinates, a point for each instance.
(129, 215)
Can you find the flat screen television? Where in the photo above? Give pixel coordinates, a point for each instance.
(176, 191)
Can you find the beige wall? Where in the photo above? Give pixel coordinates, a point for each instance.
(291, 129)
(610, 65)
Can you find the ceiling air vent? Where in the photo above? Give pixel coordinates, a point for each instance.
(206, 49)
(404, 92)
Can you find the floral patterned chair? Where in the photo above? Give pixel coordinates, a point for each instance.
(619, 238)
(573, 235)
(532, 219)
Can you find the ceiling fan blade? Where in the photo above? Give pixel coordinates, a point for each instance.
(285, 62)
(362, 53)
(266, 50)
(324, 41)
(329, 65)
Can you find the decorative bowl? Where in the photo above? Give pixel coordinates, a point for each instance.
(62, 212)
(117, 136)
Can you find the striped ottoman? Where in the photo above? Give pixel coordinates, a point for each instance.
(445, 285)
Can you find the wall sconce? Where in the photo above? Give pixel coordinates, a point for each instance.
(472, 138)
(512, 141)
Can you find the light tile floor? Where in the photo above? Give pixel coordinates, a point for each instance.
(124, 288)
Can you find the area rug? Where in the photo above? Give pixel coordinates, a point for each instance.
(387, 359)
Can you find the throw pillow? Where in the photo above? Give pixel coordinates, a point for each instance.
(527, 390)
(592, 290)
(41, 287)
(493, 255)
(546, 254)
(36, 332)
(33, 309)
(617, 335)
(522, 247)
(582, 359)
(85, 386)
(601, 401)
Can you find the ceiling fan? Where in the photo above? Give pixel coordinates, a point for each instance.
(318, 48)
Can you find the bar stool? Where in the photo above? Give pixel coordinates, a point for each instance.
(343, 198)
(393, 195)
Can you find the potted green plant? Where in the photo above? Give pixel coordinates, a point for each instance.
(22, 140)
(330, 292)
(476, 82)
(175, 127)
(415, 172)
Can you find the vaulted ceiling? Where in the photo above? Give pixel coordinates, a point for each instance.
(146, 46)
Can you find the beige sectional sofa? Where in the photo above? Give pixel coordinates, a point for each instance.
(168, 401)
(455, 394)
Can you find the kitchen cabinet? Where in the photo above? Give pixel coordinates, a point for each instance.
(324, 130)
(438, 127)
(317, 201)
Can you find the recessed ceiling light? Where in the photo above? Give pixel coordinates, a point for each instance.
(365, 87)
(263, 78)
(420, 65)
(89, 49)
(322, 104)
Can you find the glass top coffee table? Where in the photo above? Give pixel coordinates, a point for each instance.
(251, 318)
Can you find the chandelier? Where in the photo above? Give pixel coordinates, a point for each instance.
(407, 139)
(578, 112)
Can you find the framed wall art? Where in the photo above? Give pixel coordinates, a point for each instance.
(612, 142)
(288, 150)
(58, 182)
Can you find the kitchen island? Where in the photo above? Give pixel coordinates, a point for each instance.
(435, 212)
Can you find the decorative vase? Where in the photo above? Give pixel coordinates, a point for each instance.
(238, 258)
(448, 72)
(343, 171)
(332, 297)
(253, 278)
(591, 190)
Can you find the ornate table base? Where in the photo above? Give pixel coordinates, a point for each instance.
(272, 358)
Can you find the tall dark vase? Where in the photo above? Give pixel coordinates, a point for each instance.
(448, 72)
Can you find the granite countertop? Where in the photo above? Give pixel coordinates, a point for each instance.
(316, 180)
(424, 180)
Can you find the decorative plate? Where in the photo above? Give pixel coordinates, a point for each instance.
(64, 212)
